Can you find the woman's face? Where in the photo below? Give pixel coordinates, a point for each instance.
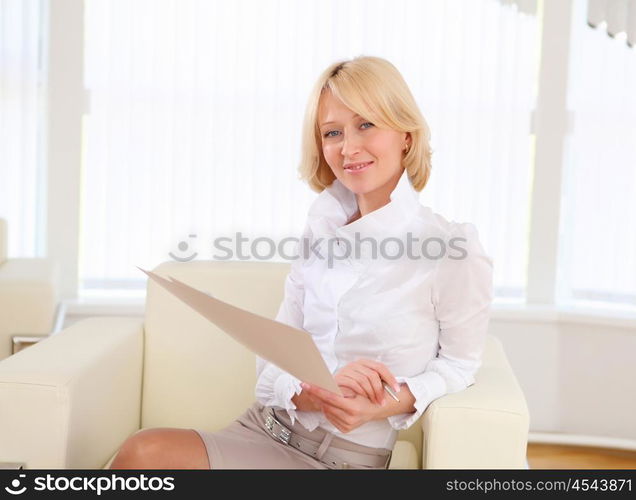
(351, 139)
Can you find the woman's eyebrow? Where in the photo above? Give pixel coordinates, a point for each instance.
(356, 115)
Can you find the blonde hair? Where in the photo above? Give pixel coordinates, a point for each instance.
(375, 89)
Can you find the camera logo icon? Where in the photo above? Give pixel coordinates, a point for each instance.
(15, 489)
(183, 247)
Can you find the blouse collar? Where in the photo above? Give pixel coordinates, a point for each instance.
(336, 204)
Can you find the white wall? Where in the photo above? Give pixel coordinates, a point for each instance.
(578, 373)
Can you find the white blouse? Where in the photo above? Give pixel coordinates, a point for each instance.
(423, 312)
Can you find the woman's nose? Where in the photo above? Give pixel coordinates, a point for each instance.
(350, 146)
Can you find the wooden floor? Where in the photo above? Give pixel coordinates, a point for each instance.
(549, 456)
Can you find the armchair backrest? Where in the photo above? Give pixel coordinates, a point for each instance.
(197, 376)
(3, 241)
(194, 373)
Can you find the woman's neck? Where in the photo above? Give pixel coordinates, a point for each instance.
(369, 202)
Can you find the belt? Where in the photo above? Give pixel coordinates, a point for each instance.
(333, 457)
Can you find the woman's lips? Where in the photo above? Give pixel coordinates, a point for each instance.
(358, 170)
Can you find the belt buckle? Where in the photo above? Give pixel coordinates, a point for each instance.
(283, 435)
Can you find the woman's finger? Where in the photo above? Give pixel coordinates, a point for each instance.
(335, 420)
(384, 372)
(351, 383)
(347, 392)
(375, 382)
(315, 401)
(378, 374)
(357, 373)
(338, 423)
(327, 397)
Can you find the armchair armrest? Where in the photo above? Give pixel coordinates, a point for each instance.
(72, 399)
(482, 427)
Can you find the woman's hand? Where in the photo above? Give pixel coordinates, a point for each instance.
(364, 377)
(345, 413)
(306, 402)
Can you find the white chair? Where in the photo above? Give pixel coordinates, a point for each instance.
(102, 379)
(28, 298)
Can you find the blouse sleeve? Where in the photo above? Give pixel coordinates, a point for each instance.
(276, 387)
(462, 294)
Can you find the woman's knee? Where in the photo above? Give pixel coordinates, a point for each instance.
(161, 448)
(138, 449)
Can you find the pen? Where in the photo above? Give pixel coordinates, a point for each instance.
(391, 392)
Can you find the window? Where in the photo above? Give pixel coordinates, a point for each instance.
(22, 125)
(598, 236)
(196, 108)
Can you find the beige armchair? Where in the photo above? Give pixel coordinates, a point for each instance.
(28, 298)
(102, 379)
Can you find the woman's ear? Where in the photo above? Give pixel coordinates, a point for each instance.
(406, 145)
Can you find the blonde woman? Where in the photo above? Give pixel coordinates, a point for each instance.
(391, 292)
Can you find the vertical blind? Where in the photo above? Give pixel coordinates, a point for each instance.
(196, 112)
(598, 237)
(618, 16)
(480, 103)
(21, 125)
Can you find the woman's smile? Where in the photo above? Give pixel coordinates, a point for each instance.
(357, 168)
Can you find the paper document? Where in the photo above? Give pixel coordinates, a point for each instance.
(289, 348)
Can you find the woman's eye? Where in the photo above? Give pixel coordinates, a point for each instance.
(328, 134)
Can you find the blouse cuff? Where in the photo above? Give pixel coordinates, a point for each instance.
(285, 387)
(425, 387)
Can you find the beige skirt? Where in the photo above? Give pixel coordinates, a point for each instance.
(246, 444)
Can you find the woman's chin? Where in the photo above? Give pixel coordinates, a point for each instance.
(359, 186)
